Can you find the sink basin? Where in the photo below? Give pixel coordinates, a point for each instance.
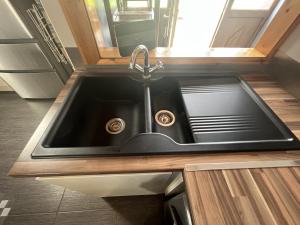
(118, 115)
(165, 95)
(93, 103)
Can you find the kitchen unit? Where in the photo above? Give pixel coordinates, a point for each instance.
(222, 187)
(179, 210)
(75, 173)
(31, 60)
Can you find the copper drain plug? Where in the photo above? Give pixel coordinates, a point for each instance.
(115, 126)
(165, 118)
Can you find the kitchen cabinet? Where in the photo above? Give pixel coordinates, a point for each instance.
(31, 59)
(27, 56)
(45, 85)
(11, 20)
(114, 184)
(176, 184)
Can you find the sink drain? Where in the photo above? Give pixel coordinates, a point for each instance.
(115, 126)
(165, 118)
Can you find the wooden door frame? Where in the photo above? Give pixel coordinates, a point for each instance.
(285, 20)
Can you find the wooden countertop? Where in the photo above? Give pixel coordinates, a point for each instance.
(282, 103)
(267, 196)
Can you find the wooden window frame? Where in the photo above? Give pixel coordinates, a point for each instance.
(285, 20)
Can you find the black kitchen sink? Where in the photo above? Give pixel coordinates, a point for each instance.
(115, 115)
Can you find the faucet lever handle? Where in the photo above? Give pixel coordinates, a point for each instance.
(131, 66)
(136, 67)
(159, 65)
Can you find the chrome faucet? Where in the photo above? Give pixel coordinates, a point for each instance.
(147, 70)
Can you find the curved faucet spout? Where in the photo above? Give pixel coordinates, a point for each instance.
(136, 52)
(145, 69)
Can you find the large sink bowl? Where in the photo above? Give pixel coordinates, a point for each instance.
(116, 115)
(94, 102)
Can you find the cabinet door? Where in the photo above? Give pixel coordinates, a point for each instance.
(34, 85)
(114, 184)
(176, 184)
(11, 26)
(23, 57)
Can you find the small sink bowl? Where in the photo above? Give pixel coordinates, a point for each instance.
(94, 102)
(165, 95)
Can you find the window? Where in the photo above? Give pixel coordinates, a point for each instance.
(252, 4)
(137, 4)
(163, 3)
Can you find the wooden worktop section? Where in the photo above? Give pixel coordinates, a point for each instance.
(282, 103)
(266, 196)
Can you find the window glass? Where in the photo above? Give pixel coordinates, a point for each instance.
(252, 4)
(137, 4)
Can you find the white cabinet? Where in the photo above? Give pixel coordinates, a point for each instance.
(11, 26)
(114, 184)
(176, 184)
(34, 85)
(26, 56)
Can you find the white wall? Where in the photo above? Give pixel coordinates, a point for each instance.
(58, 20)
(291, 47)
(285, 65)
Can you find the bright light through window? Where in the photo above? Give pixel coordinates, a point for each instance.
(252, 4)
(137, 4)
(163, 3)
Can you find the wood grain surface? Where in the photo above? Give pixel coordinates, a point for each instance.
(269, 196)
(186, 56)
(77, 17)
(285, 20)
(284, 105)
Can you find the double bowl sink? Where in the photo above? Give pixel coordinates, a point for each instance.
(118, 115)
